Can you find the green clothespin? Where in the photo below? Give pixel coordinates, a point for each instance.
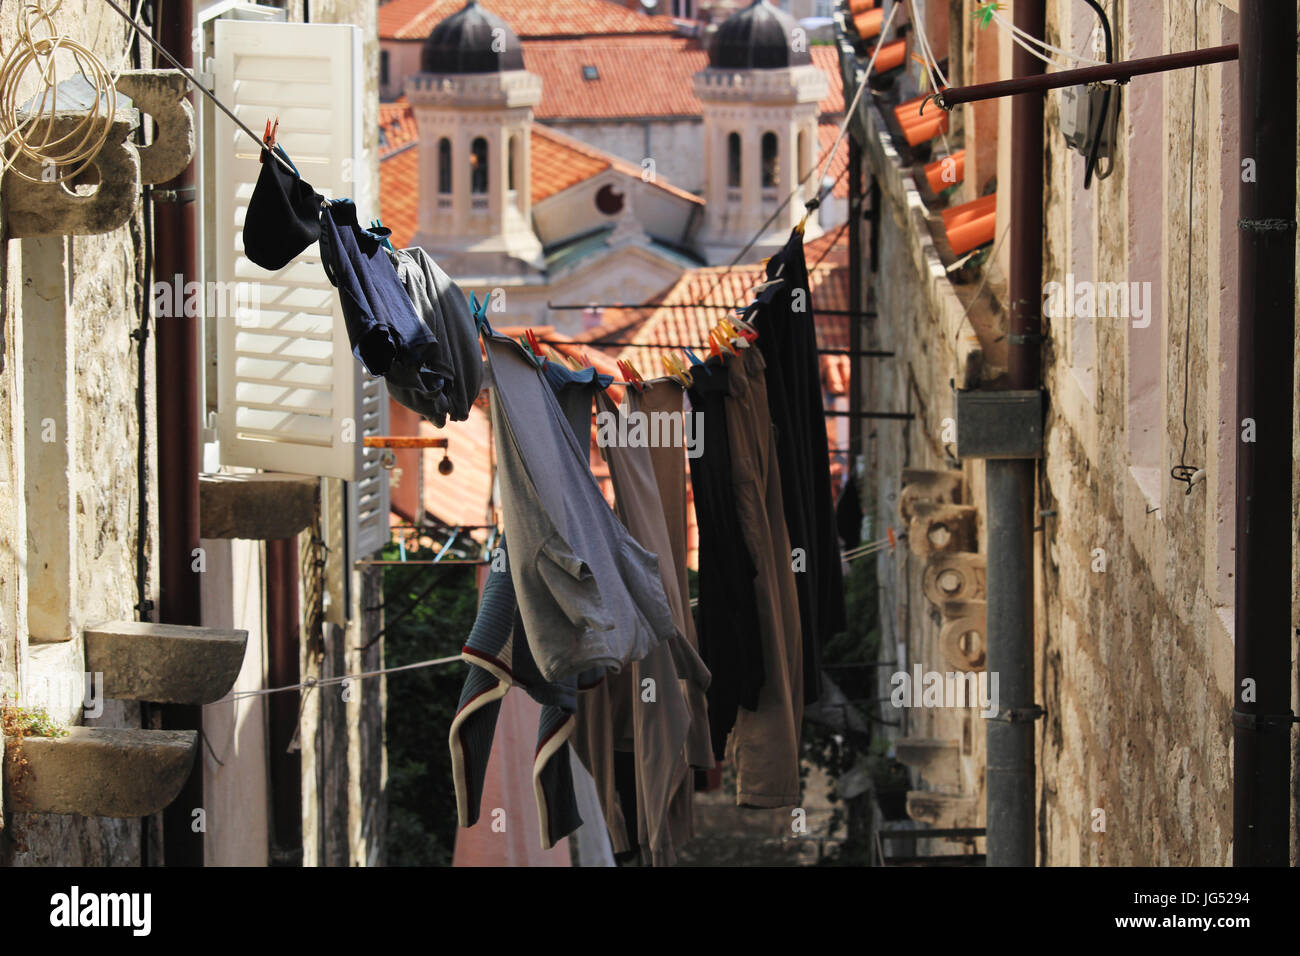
(984, 13)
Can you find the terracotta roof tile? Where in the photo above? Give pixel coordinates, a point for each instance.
(558, 162)
(556, 165)
(689, 321)
(636, 77)
(399, 195)
(826, 133)
(415, 19)
(396, 127)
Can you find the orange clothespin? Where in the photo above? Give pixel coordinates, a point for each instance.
(723, 345)
(892, 540)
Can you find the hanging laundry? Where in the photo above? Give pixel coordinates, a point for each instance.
(283, 215)
(590, 596)
(848, 514)
(787, 338)
(499, 658)
(456, 359)
(764, 746)
(661, 718)
(499, 655)
(664, 397)
(386, 334)
(726, 619)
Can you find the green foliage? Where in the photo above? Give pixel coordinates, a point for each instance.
(421, 703)
(20, 722)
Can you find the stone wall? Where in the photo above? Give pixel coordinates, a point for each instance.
(1134, 586)
(89, 408)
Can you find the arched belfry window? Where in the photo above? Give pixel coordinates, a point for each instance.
(733, 161)
(444, 166)
(771, 161)
(478, 166)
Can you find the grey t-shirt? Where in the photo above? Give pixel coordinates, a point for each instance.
(589, 595)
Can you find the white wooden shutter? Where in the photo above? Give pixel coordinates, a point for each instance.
(291, 395)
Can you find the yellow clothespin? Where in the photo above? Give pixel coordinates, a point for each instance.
(732, 333)
(675, 366)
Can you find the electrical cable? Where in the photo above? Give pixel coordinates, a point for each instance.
(202, 89)
(825, 164)
(1105, 100)
(31, 132)
(1183, 471)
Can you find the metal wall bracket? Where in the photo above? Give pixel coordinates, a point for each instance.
(999, 424)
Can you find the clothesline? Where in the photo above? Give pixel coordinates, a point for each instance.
(311, 682)
(198, 85)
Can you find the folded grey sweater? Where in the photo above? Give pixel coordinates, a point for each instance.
(455, 359)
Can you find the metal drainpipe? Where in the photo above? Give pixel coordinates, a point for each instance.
(282, 638)
(857, 305)
(1009, 775)
(177, 357)
(1261, 732)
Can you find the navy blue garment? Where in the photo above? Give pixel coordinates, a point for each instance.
(787, 339)
(386, 333)
(726, 618)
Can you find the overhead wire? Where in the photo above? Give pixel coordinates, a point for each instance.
(824, 164)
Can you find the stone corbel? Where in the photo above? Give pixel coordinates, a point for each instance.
(53, 209)
(942, 529)
(162, 94)
(962, 639)
(957, 576)
(929, 487)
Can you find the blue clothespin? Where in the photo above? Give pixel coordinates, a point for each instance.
(695, 361)
(378, 226)
(479, 311)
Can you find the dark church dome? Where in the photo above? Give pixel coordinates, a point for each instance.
(757, 38)
(471, 40)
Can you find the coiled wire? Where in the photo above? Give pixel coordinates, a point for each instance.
(30, 134)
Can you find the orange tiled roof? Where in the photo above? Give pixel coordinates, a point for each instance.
(558, 162)
(669, 327)
(567, 155)
(826, 133)
(399, 195)
(396, 127)
(637, 77)
(415, 19)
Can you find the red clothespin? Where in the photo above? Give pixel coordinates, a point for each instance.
(892, 540)
(631, 375)
(534, 343)
(268, 137)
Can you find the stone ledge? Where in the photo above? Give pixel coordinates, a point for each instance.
(100, 772)
(164, 663)
(262, 506)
